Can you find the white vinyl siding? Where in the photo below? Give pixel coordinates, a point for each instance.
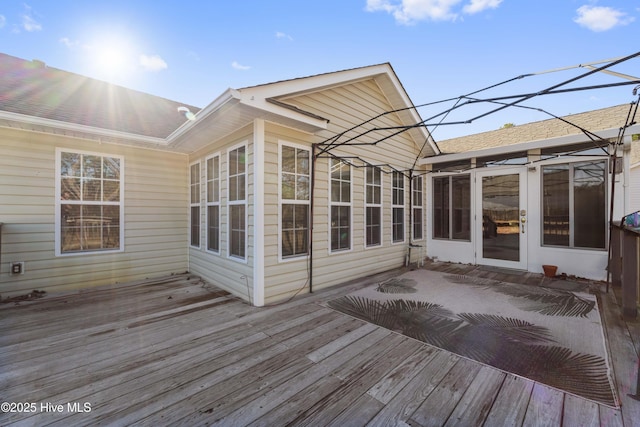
(153, 228)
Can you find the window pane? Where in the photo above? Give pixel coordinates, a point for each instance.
(555, 205)
(441, 207)
(398, 224)
(417, 223)
(111, 191)
(461, 212)
(303, 162)
(373, 226)
(91, 189)
(241, 187)
(111, 227)
(70, 227)
(288, 186)
(111, 168)
(195, 226)
(335, 191)
(238, 232)
(70, 164)
(70, 189)
(345, 191)
(340, 227)
(288, 159)
(302, 188)
(213, 230)
(590, 216)
(287, 217)
(92, 166)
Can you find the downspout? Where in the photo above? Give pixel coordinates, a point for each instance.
(311, 219)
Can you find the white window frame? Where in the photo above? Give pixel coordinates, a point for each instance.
(572, 231)
(341, 203)
(417, 206)
(368, 204)
(295, 201)
(195, 204)
(215, 182)
(58, 205)
(241, 202)
(395, 206)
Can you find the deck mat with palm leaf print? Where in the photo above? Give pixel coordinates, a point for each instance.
(547, 335)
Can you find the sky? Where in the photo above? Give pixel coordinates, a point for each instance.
(191, 52)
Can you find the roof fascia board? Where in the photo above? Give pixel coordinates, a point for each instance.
(525, 146)
(225, 98)
(295, 87)
(73, 127)
(264, 105)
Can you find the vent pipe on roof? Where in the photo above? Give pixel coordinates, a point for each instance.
(38, 63)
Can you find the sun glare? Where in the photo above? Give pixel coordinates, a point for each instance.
(112, 59)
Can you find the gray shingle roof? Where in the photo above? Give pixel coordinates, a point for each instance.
(32, 88)
(606, 118)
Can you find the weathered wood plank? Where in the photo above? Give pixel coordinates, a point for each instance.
(358, 413)
(399, 409)
(351, 388)
(439, 405)
(399, 377)
(545, 407)
(154, 397)
(278, 395)
(476, 402)
(336, 345)
(511, 403)
(624, 357)
(580, 412)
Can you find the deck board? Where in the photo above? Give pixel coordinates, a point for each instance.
(178, 351)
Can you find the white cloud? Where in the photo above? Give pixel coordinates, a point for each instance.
(411, 11)
(30, 24)
(476, 6)
(69, 43)
(3, 21)
(281, 35)
(152, 62)
(238, 66)
(597, 18)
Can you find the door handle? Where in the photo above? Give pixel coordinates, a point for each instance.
(523, 220)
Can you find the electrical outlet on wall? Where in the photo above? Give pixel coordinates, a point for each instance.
(16, 267)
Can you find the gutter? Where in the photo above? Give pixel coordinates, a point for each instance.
(107, 133)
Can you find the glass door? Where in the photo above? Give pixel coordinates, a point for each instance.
(501, 218)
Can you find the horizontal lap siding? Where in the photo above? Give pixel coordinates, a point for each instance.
(230, 274)
(344, 107)
(155, 229)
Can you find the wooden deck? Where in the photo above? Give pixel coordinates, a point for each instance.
(176, 351)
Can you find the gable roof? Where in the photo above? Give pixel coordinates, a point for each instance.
(30, 88)
(593, 121)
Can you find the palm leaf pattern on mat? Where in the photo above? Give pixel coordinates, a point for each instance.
(506, 343)
(397, 285)
(552, 302)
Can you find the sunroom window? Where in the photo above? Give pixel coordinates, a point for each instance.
(574, 204)
(295, 200)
